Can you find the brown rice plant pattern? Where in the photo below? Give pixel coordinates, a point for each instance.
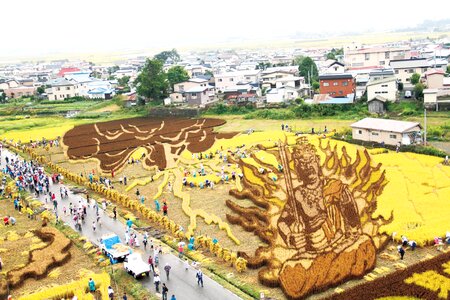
(428, 279)
(316, 219)
(41, 261)
(112, 143)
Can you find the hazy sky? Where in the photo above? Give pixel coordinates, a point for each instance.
(46, 26)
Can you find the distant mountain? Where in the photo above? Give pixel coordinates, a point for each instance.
(429, 26)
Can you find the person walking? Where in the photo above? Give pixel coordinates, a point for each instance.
(401, 251)
(165, 209)
(165, 290)
(124, 297)
(150, 262)
(199, 276)
(91, 285)
(173, 297)
(156, 281)
(167, 268)
(1, 264)
(144, 241)
(115, 212)
(110, 293)
(94, 226)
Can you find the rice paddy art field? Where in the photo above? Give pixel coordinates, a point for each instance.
(294, 215)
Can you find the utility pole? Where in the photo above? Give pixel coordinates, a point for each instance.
(425, 127)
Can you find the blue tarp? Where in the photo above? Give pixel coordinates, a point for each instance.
(109, 242)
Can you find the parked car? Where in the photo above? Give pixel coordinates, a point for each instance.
(136, 266)
(113, 248)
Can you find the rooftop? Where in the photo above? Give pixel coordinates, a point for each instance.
(385, 125)
(409, 63)
(336, 76)
(380, 81)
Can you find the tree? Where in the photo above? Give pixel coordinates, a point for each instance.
(2, 96)
(415, 78)
(113, 69)
(448, 69)
(418, 91)
(315, 85)
(165, 55)
(307, 68)
(263, 65)
(40, 90)
(152, 82)
(123, 81)
(400, 86)
(335, 52)
(176, 75)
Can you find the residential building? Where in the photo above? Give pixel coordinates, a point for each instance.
(386, 88)
(430, 97)
(62, 89)
(377, 105)
(176, 97)
(404, 68)
(225, 80)
(20, 91)
(7, 84)
(191, 83)
(198, 96)
(375, 56)
(390, 132)
(335, 68)
(377, 74)
(130, 99)
(281, 95)
(241, 90)
(337, 85)
(434, 79)
(63, 71)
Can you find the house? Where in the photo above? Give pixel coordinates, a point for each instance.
(198, 96)
(335, 67)
(240, 90)
(377, 105)
(374, 56)
(20, 91)
(404, 68)
(225, 80)
(176, 97)
(386, 87)
(130, 99)
(281, 95)
(430, 97)
(62, 89)
(337, 85)
(391, 132)
(191, 83)
(63, 71)
(101, 93)
(7, 84)
(434, 79)
(349, 99)
(377, 74)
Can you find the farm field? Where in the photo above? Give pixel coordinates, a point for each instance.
(288, 206)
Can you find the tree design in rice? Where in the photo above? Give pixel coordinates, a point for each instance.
(316, 219)
(113, 143)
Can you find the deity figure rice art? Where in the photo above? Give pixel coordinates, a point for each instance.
(316, 219)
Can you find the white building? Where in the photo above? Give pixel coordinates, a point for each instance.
(386, 88)
(281, 95)
(62, 89)
(390, 132)
(227, 79)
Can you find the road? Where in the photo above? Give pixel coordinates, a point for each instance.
(182, 283)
